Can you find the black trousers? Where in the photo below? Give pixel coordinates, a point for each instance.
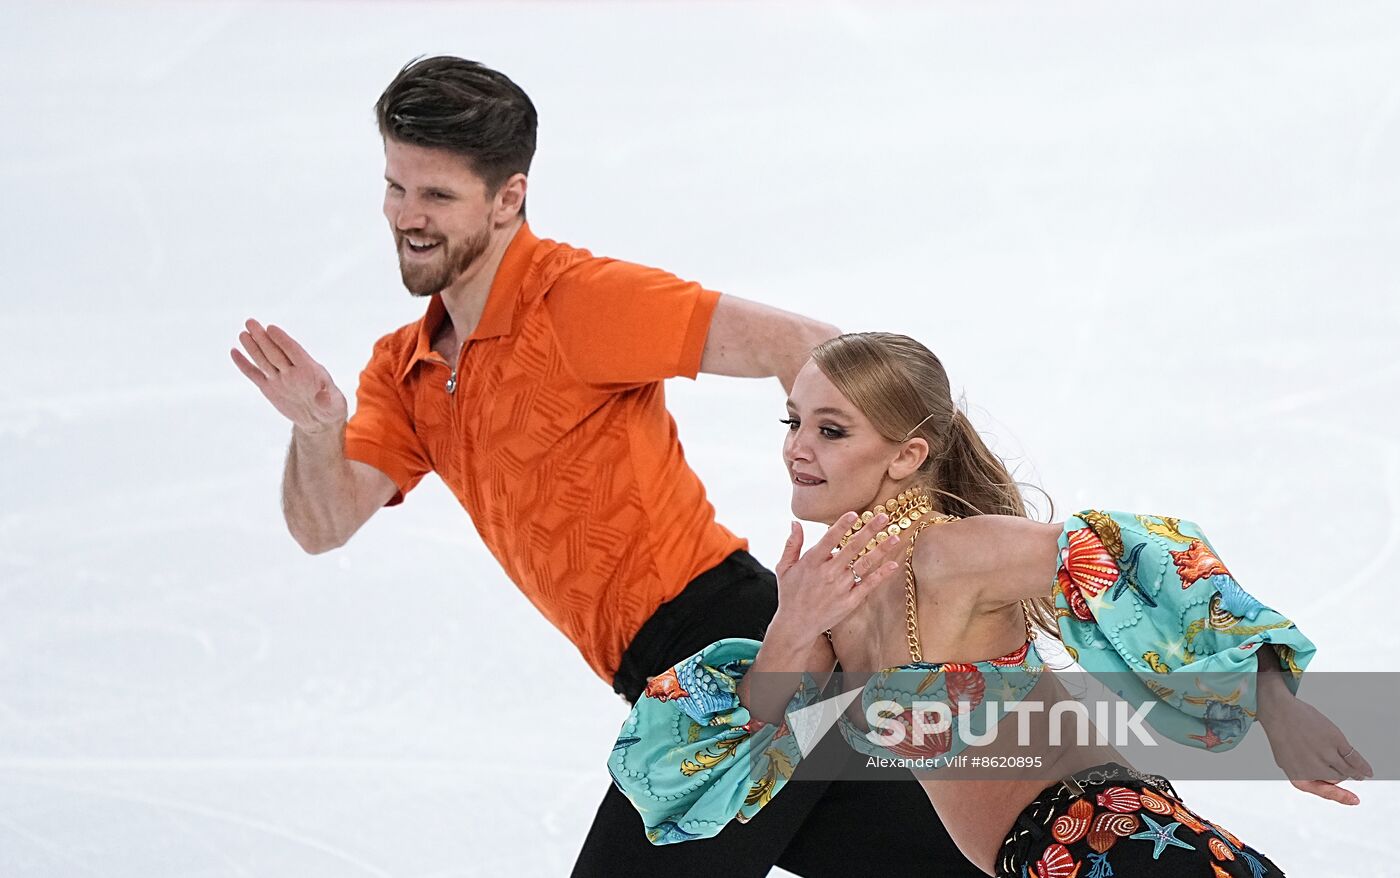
(812, 828)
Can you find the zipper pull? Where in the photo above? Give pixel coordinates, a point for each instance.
(452, 382)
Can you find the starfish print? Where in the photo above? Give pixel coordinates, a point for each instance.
(1128, 576)
(1210, 739)
(1160, 836)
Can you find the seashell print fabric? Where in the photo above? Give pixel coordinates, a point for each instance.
(1148, 596)
(1116, 832)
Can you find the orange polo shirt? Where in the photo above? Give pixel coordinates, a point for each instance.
(556, 438)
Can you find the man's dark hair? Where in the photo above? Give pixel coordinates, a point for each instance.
(464, 107)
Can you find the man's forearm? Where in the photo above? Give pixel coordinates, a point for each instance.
(751, 340)
(790, 359)
(318, 489)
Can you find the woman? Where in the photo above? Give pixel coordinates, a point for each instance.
(871, 417)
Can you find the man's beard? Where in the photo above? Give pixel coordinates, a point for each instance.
(424, 278)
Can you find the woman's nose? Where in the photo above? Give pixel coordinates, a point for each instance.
(795, 449)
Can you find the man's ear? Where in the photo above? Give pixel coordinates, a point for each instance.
(510, 199)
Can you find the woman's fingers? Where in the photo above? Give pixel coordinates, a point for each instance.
(872, 577)
(1328, 791)
(1357, 764)
(792, 549)
(891, 549)
(830, 540)
(1334, 769)
(852, 574)
(861, 538)
(879, 564)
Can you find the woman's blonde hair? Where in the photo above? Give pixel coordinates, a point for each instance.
(902, 387)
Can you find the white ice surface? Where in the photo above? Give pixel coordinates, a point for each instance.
(1157, 246)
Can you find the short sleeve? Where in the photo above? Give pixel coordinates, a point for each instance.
(1149, 597)
(689, 756)
(381, 433)
(621, 324)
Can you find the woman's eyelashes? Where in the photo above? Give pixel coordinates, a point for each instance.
(827, 431)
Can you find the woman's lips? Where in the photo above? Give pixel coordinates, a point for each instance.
(806, 481)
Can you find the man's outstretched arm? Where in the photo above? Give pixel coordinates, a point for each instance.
(325, 496)
(751, 340)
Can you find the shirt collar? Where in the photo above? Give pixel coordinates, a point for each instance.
(498, 317)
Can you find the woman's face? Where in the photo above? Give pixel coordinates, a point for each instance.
(836, 460)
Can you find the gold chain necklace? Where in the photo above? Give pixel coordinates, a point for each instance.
(907, 509)
(911, 598)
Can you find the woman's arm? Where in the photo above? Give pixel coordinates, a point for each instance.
(992, 560)
(1313, 753)
(1002, 559)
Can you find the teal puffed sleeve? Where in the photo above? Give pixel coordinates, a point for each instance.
(1147, 598)
(912, 708)
(690, 757)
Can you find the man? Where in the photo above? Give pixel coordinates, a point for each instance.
(533, 387)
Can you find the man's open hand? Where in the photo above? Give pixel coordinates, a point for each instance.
(296, 385)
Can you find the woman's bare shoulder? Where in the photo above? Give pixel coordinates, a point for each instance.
(984, 546)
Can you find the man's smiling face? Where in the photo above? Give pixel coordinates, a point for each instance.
(439, 211)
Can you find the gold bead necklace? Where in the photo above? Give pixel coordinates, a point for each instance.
(910, 508)
(904, 510)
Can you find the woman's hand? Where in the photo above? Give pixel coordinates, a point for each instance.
(818, 589)
(815, 591)
(1308, 745)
